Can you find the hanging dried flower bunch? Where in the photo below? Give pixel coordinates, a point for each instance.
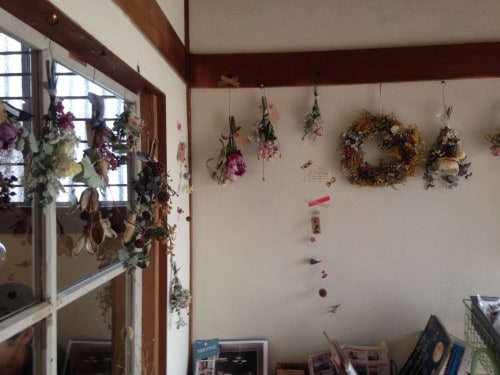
(264, 136)
(494, 139)
(230, 165)
(53, 157)
(446, 158)
(313, 124)
(180, 298)
(147, 220)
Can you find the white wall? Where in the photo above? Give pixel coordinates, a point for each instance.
(393, 256)
(296, 25)
(95, 17)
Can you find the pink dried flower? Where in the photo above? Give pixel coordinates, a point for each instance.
(8, 134)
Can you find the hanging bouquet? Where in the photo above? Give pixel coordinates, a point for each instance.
(180, 298)
(446, 157)
(313, 124)
(109, 147)
(230, 165)
(12, 133)
(265, 138)
(147, 219)
(52, 158)
(494, 139)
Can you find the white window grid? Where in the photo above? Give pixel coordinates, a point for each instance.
(45, 312)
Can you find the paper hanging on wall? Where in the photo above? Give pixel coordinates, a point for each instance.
(316, 174)
(316, 227)
(181, 152)
(318, 201)
(273, 112)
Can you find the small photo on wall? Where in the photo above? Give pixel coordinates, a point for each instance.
(242, 357)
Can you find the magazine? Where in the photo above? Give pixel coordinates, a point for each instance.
(369, 360)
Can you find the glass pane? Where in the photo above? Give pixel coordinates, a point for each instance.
(89, 331)
(86, 242)
(9, 44)
(10, 64)
(11, 86)
(16, 260)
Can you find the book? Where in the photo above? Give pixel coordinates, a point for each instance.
(431, 350)
(455, 358)
(369, 360)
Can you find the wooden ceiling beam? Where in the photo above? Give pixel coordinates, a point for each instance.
(149, 18)
(379, 65)
(82, 46)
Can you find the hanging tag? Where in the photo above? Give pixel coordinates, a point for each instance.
(181, 152)
(240, 138)
(273, 112)
(179, 126)
(316, 227)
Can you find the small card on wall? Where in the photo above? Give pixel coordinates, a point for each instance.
(316, 227)
(273, 112)
(181, 152)
(240, 138)
(316, 174)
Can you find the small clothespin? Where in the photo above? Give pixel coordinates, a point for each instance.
(229, 80)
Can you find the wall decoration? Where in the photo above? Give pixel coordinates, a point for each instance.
(264, 136)
(319, 202)
(230, 164)
(97, 227)
(494, 139)
(12, 133)
(108, 148)
(51, 159)
(403, 143)
(180, 298)
(446, 158)
(313, 123)
(147, 219)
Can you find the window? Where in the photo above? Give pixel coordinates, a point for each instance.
(36, 245)
(16, 77)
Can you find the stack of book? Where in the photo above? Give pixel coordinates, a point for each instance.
(437, 352)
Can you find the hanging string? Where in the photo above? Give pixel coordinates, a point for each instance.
(229, 100)
(443, 86)
(380, 98)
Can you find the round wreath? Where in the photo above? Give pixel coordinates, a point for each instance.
(404, 143)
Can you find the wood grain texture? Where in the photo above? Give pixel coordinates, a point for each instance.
(82, 46)
(400, 64)
(152, 22)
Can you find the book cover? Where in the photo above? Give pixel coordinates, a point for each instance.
(430, 351)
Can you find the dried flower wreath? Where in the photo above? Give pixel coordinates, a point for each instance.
(404, 143)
